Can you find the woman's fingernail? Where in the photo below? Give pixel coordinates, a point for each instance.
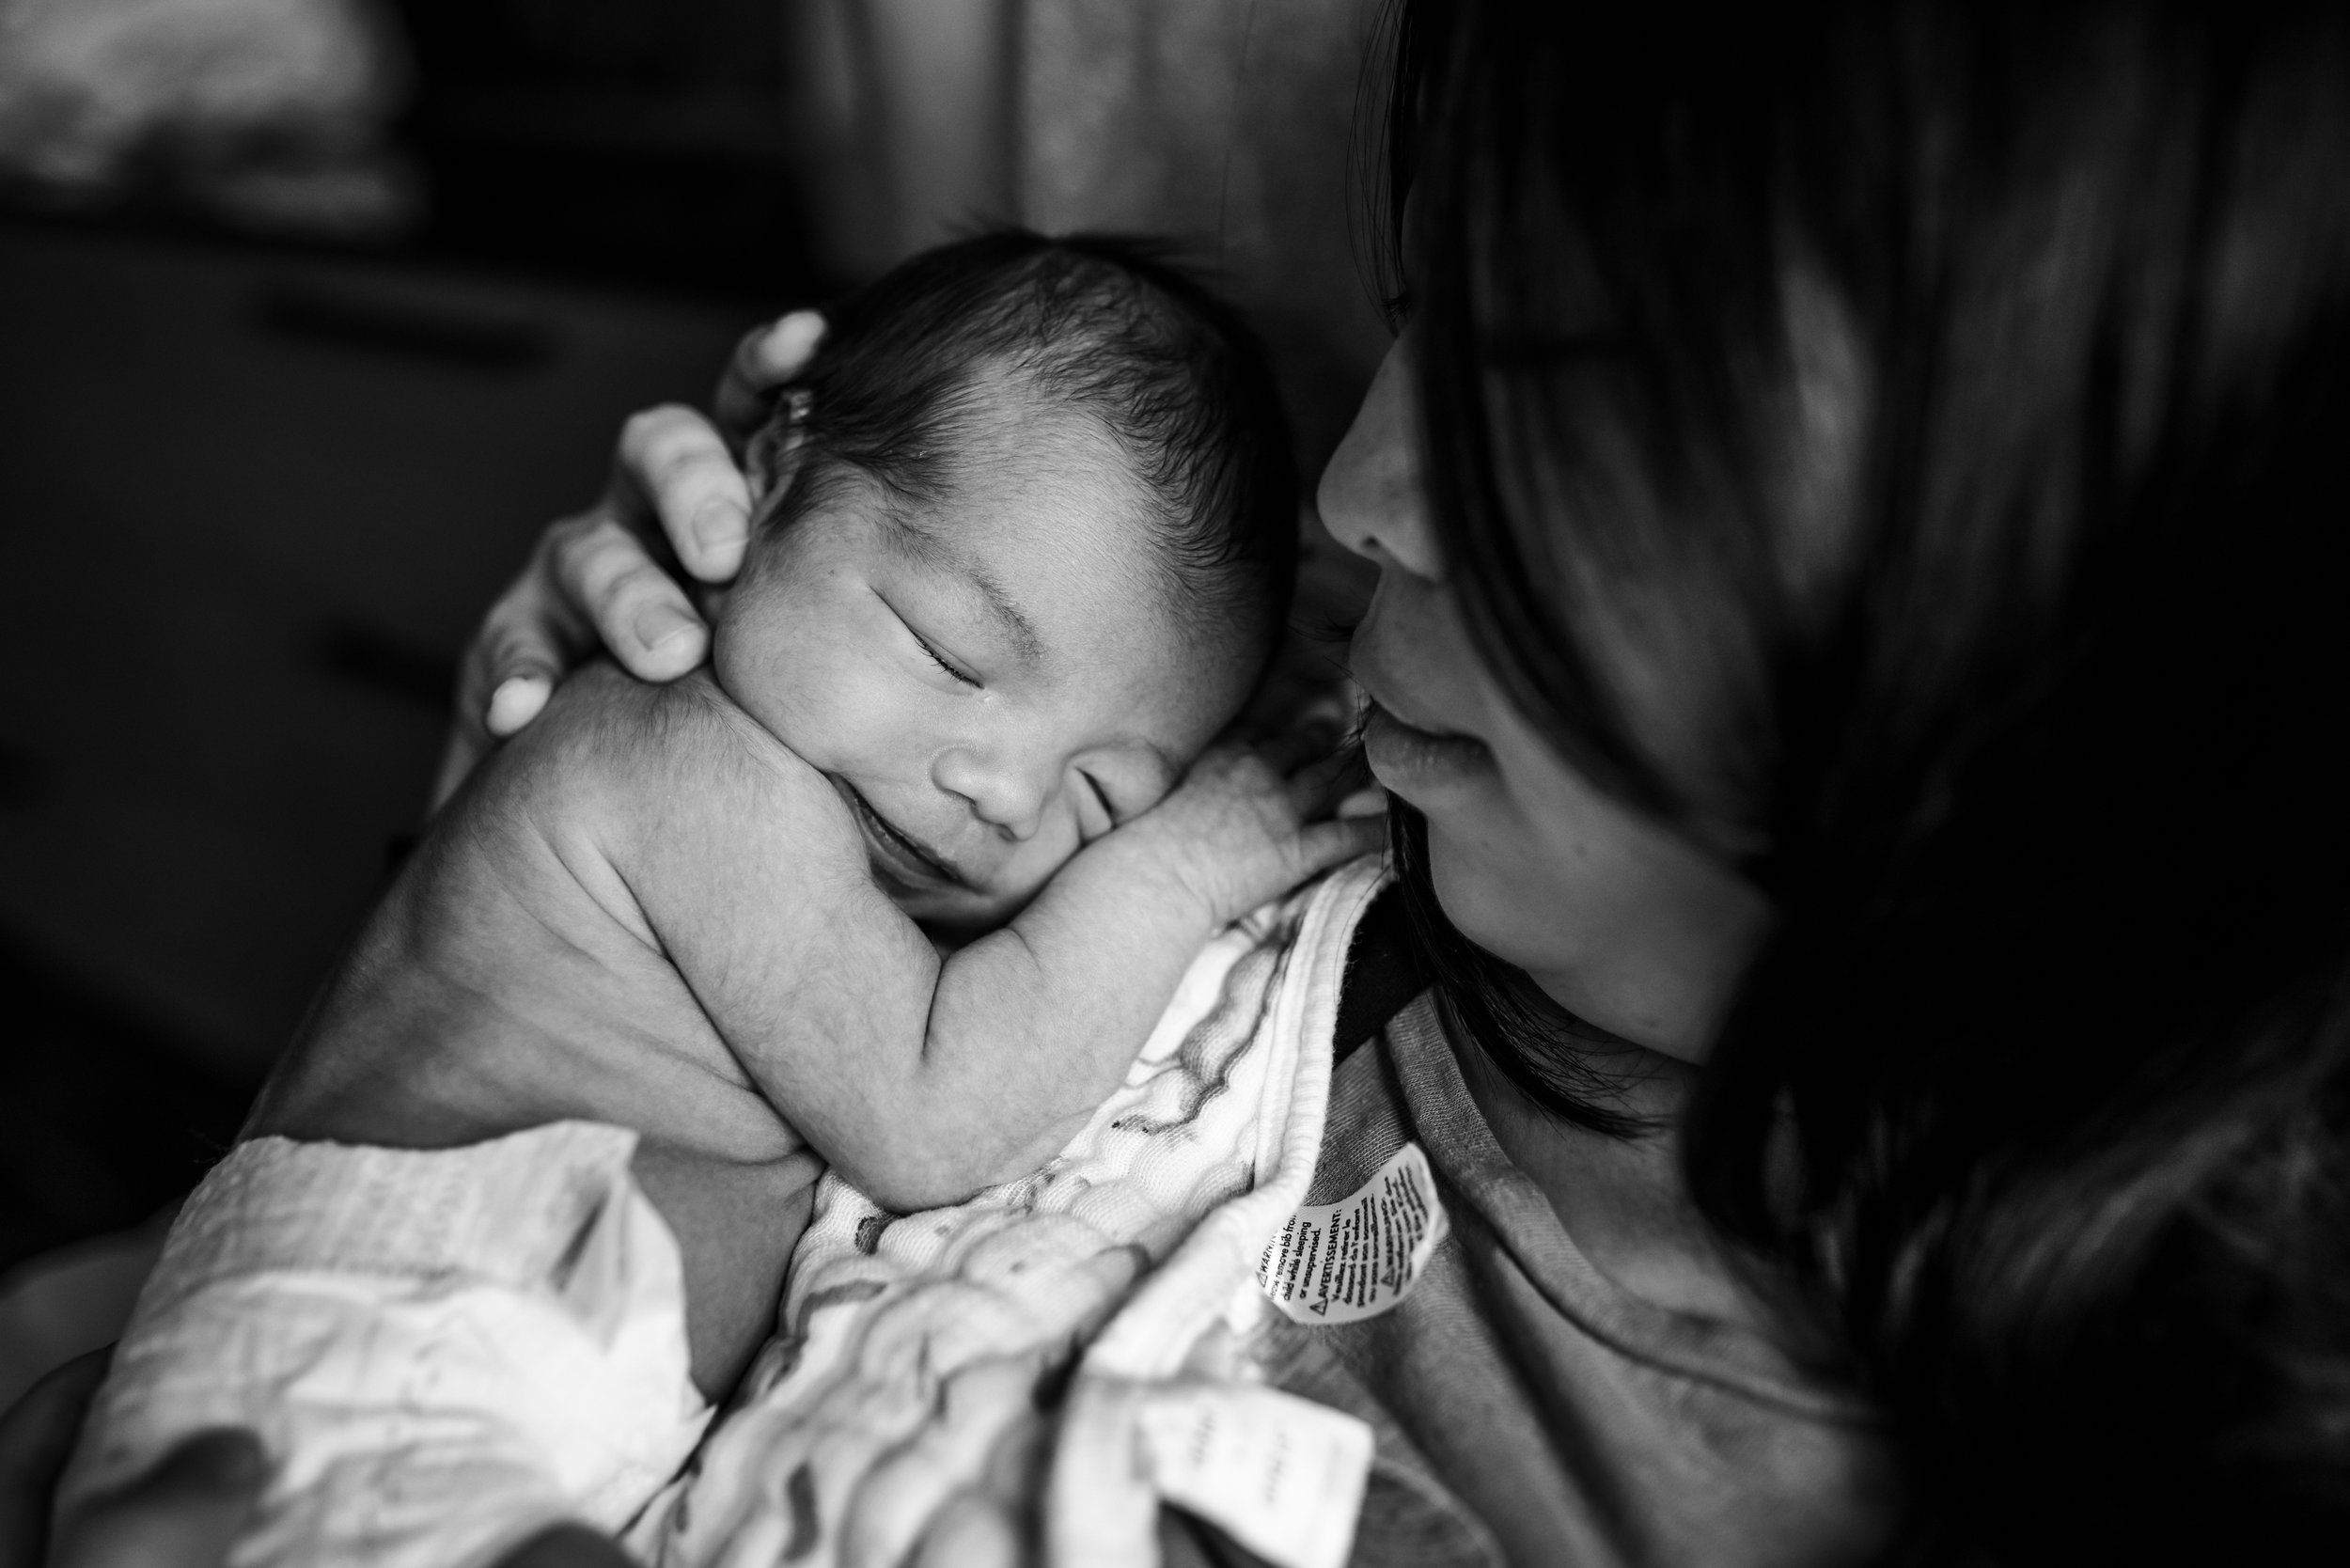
(1371, 802)
(659, 625)
(717, 526)
(516, 703)
(793, 337)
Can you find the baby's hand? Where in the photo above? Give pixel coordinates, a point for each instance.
(1250, 821)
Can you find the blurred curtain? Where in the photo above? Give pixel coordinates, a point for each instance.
(270, 113)
(1224, 125)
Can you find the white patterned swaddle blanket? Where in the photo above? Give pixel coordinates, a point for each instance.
(906, 1413)
(445, 1351)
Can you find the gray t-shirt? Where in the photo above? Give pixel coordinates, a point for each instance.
(1527, 1410)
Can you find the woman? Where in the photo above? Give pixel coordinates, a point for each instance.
(1858, 510)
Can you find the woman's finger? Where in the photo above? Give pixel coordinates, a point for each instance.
(768, 358)
(506, 678)
(186, 1513)
(638, 610)
(531, 635)
(680, 477)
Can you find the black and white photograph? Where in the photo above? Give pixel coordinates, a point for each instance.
(1174, 783)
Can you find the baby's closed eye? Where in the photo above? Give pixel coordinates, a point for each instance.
(1097, 812)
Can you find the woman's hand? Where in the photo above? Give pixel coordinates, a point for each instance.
(603, 580)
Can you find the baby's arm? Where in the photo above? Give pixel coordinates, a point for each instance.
(1044, 1017)
(923, 1079)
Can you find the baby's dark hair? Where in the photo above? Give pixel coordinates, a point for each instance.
(1103, 324)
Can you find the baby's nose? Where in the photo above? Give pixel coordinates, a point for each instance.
(1003, 795)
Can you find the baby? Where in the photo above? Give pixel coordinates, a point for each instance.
(901, 883)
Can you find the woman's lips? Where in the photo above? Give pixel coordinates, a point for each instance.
(1402, 738)
(1404, 755)
(899, 855)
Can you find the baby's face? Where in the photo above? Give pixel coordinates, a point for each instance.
(991, 683)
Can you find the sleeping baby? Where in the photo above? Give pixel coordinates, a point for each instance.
(901, 884)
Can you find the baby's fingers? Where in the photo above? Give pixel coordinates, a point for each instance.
(1287, 750)
(1316, 789)
(1323, 845)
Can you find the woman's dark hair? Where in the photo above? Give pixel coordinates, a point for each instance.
(1103, 324)
(1949, 402)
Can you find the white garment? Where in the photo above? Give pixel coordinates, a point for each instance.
(442, 1352)
(897, 1412)
(446, 1351)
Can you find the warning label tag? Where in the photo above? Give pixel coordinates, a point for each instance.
(1355, 1259)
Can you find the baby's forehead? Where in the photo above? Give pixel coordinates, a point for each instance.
(1042, 488)
(1069, 580)
(1004, 424)
(1074, 593)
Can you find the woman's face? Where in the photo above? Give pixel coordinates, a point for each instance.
(1616, 918)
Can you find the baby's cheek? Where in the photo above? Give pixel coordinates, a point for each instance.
(798, 685)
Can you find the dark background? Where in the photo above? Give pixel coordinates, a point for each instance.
(267, 451)
(258, 489)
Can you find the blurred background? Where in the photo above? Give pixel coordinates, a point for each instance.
(313, 313)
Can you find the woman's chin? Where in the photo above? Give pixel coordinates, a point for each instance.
(1483, 902)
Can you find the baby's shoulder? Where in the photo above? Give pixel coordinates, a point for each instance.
(654, 752)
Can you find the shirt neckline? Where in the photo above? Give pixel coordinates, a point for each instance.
(1471, 1161)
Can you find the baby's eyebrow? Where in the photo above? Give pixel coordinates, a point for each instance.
(937, 553)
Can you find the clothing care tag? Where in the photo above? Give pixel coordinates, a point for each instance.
(1282, 1476)
(1343, 1261)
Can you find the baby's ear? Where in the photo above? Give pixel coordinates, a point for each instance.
(773, 454)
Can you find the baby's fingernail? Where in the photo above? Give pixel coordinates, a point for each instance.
(1364, 803)
(660, 625)
(516, 703)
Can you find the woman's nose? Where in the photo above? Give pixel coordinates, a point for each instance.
(1003, 795)
(1372, 498)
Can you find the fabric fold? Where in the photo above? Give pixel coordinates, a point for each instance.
(936, 1374)
(443, 1351)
